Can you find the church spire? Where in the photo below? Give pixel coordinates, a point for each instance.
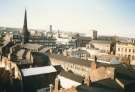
(25, 21)
(25, 32)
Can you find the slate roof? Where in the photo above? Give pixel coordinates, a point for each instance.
(126, 74)
(40, 59)
(101, 41)
(106, 85)
(73, 60)
(7, 44)
(80, 52)
(20, 53)
(84, 38)
(81, 62)
(72, 76)
(31, 46)
(44, 50)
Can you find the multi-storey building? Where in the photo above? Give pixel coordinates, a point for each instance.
(75, 65)
(81, 41)
(125, 50)
(102, 45)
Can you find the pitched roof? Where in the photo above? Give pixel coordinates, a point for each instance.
(78, 61)
(73, 60)
(85, 38)
(80, 52)
(106, 85)
(20, 53)
(101, 41)
(44, 50)
(72, 76)
(40, 59)
(125, 74)
(31, 46)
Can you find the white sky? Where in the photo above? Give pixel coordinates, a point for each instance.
(109, 17)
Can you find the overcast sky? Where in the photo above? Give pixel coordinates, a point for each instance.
(109, 17)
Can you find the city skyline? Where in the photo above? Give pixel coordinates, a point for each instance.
(113, 17)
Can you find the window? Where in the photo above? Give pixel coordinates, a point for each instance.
(125, 49)
(118, 49)
(129, 50)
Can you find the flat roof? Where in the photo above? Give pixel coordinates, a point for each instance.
(38, 71)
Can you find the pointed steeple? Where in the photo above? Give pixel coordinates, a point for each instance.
(25, 32)
(25, 21)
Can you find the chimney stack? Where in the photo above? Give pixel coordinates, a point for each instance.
(93, 65)
(94, 35)
(56, 87)
(51, 88)
(50, 28)
(87, 81)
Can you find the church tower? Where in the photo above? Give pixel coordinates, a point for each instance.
(25, 32)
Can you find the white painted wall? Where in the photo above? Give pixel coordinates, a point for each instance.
(67, 83)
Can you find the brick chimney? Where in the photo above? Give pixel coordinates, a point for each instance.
(8, 65)
(61, 90)
(51, 88)
(87, 80)
(72, 89)
(93, 65)
(56, 87)
(3, 62)
(50, 51)
(9, 56)
(95, 58)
